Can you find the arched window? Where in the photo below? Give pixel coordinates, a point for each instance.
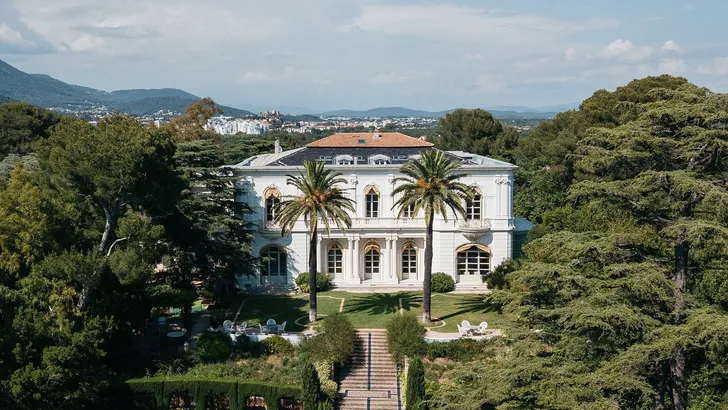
(371, 261)
(273, 262)
(380, 159)
(344, 160)
(272, 199)
(371, 200)
(473, 259)
(335, 266)
(409, 261)
(474, 207)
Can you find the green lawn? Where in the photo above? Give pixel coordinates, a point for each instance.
(368, 310)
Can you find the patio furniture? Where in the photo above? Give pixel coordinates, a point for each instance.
(482, 327)
(282, 327)
(242, 327)
(272, 326)
(263, 329)
(227, 325)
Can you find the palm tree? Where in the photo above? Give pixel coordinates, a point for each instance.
(320, 199)
(430, 184)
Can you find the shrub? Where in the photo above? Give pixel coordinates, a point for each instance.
(463, 350)
(311, 386)
(325, 405)
(415, 388)
(405, 336)
(213, 347)
(276, 345)
(328, 385)
(442, 283)
(335, 341)
(323, 282)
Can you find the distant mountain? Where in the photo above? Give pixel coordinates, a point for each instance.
(545, 109)
(384, 112)
(283, 109)
(45, 91)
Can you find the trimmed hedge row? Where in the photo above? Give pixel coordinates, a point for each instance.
(236, 391)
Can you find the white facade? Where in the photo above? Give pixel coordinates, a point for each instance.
(379, 249)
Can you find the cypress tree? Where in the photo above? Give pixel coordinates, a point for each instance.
(416, 386)
(311, 386)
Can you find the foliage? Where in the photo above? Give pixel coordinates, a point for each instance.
(213, 347)
(405, 337)
(276, 345)
(442, 282)
(310, 385)
(320, 199)
(613, 186)
(21, 124)
(334, 342)
(461, 350)
(430, 185)
(329, 387)
(323, 282)
(199, 388)
(415, 388)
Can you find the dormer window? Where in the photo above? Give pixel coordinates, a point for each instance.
(344, 160)
(379, 160)
(361, 142)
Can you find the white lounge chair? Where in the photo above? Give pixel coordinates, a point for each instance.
(282, 327)
(463, 331)
(482, 327)
(272, 326)
(242, 327)
(263, 329)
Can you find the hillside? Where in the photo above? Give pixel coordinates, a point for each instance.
(383, 112)
(48, 92)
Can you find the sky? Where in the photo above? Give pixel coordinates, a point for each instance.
(359, 54)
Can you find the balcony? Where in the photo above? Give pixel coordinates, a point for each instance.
(388, 223)
(474, 228)
(269, 229)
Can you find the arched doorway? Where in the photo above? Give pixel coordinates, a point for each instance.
(473, 261)
(372, 262)
(409, 261)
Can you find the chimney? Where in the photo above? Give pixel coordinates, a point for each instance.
(277, 146)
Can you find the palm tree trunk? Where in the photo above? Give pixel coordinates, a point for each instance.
(312, 270)
(427, 280)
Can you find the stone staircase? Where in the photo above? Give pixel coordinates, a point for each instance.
(369, 380)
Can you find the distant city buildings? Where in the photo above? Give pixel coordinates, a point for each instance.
(224, 125)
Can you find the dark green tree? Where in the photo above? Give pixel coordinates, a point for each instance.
(311, 386)
(415, 398)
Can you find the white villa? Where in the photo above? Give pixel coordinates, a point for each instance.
(380, 250)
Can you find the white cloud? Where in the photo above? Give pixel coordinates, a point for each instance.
(12, 37)
(625, 50)
(473, 57)
(570, 54)
(720, 67)
(548, 79)
(466, 24)
(398, 77)
(256, 77)
(672, 66)
(490, 84)
(671, 46)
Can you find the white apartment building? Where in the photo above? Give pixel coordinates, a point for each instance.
(379, 250)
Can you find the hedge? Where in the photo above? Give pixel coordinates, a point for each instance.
(236, 391)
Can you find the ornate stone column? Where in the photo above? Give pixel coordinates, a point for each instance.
(385, 260)
(393, 260)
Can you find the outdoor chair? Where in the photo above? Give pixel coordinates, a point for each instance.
(263, 329)
(227, 325)
(282, 327)
(482, 327)
(272, 326)
(242, 327)
(463, 331)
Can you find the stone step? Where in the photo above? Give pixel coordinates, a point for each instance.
(356, 403)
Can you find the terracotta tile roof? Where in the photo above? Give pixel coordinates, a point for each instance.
(369, 139)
